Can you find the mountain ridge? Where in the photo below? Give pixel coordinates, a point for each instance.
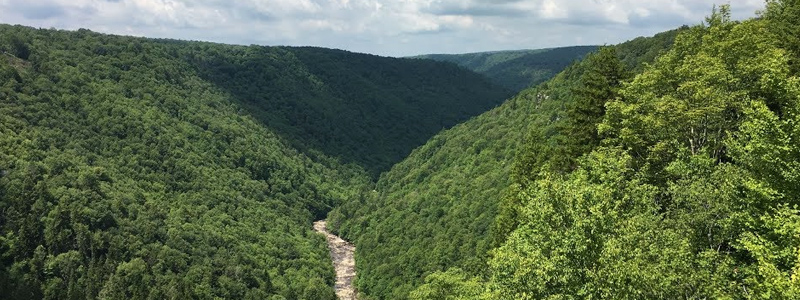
(516, 69)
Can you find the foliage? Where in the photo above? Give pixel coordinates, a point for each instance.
(453, 284)
(783, 23)
(680, 182)
(659, 168)
(362, 109)
(139, 168)
(434, 209)
(693, 193)
(448, 203)
(637, 53)
(572, 105)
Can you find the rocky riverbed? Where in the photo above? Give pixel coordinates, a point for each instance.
(342, 254)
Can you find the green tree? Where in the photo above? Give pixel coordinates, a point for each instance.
(693, 193)
(570, 228)
(450, 285)
(599, 83)
(784, 21)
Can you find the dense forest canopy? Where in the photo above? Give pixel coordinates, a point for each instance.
(519, 69)
(645, 173)
(363, 109)
(690, 188)
(125, 174)
(437, 208)
(142, 168)
(686, 186)
(663, 167)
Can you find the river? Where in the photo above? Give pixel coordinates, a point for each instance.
(342, 254)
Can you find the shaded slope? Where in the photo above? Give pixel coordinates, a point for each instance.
(517, 70)
(636, 52)
(365, 109)
(435, 210)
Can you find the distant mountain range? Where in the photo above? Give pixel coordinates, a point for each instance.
(517, 69)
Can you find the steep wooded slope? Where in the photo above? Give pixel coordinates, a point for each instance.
(141, 168)
(365, 109)
(428, 213)
(520, 69)
(435, 210)
(125, 175)
(685, 184)
(690, 187)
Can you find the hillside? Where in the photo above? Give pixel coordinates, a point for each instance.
(689, 186)
(129, 176)
(675, 179)
(143, 168)
(364, 109)
(520, 69)
(664, 167)
(436, 209)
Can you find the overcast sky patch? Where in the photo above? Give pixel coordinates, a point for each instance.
(384, 27)
(35, 11)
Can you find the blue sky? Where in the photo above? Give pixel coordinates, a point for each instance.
(383, 27)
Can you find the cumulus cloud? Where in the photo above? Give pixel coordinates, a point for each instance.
(387, 27)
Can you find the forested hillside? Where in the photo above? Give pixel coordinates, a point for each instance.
(678, 179)
(436, 209)
(428, 213)
(124, 174)
(361, 108)
(140, 168)
(689, 183)
(663, 167)
(520, 69)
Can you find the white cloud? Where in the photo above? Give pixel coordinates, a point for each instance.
(389, 27)
(552, 10)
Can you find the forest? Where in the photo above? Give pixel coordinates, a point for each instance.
(436, 209)
(362, 109)
(151, 169)
(664, 167)
(126, 175)
(659, 168)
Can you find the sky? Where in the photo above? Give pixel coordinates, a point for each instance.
(382, 27)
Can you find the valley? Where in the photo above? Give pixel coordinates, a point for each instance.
(662, 167)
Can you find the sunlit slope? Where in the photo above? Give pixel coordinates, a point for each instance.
(435, 210)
